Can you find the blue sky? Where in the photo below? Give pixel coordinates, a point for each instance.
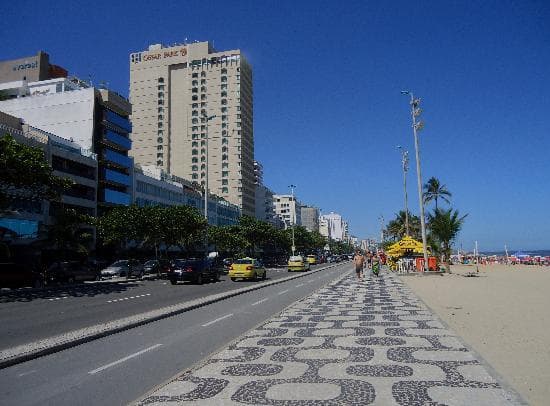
(328, 109)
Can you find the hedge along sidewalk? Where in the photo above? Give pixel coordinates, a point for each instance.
(21, 353)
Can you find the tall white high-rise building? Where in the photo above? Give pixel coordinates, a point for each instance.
(288, 208)
(193, 113)
(336, 227)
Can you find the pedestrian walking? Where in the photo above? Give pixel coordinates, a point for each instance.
(359, 261)
(375, 265)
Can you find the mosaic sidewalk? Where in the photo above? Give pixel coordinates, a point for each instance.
(350, 343)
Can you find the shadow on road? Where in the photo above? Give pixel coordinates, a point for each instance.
(80, 290)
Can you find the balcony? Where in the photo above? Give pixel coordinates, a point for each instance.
(118, 159)
(116, 197)
(117, 140)
(116, 177)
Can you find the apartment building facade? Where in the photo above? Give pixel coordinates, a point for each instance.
(193, 117)
(310, 218)
(95, 119)
(287, 208)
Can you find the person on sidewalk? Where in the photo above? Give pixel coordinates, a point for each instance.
(359, 261)
(375, 265)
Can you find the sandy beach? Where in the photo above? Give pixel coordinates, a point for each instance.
(503, 314)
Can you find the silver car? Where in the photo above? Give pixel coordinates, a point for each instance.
(116, 269)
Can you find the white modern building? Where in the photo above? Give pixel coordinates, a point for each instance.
(287, 208)
(334, 227)
(95, 119)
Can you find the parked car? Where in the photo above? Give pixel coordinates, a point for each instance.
(71, 272)
(137, 270)
(157, 267)
(14, 275)
(247, 268)
(297, 263)
(124, 267)
(195, 270)
(312, 259)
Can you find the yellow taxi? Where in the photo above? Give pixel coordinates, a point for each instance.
(297, 263)
(247, 268)
(312, 259)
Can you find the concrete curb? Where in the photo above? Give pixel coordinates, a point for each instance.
(50, 345)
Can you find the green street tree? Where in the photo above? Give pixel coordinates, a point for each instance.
(122, 224)
(185, 227)
(69, 233)
(434, 190)
(26, 174)
(228, 240)
(444, 227)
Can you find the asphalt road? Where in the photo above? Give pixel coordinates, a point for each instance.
(120, 368)
(29, 315)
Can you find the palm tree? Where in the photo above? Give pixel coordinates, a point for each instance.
(445, 226)
(433, 190)
(396, 228)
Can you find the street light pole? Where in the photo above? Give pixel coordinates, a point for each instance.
(381, 218)
(294, 219)
(405, 164)
(417, 126)
(207, 118)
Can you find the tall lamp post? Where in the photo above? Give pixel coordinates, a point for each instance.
(417, 126)
(293, 220)
(381, 218)
(405, 164)
(207, 118)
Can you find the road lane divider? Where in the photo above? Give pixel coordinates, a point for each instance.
(283, 292)
(127, 298)
(218, 319)
(259, 301)
(120, 361)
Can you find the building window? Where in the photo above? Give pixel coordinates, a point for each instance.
(224, 109)
(195, 113)
(195, 121)
(224, 87)
(203, 151)
(160, 132)
(224, 157)
(224, 71)
(224, 149)
(203, 159)
(224, 93)
(225, 174)
(194, 176)
(195, 97)
(203, 104)
(194, 160)
(160, 140)
(203, 89)
(225, 165)
(224, 125)
(225, 182)
(160, 117)
(160, 102)
(195, 83)
(159, 155)
(224, 78)
(225, 190)
(195, 105)
(225, 141)
(195, 144)
(224, 132)
(224, 101)
(203, 174)
(195, 75)
(203, 81)
(159, 162)
(203, 74)
(159, 125)
(161, 80)
(203, 97)
(203, 143)
(194, 152)
(194, 168)
(161, 109)
(203, 135)
(160, 87)
(224, 118)
(159, 147)
(161, 95)
(195, 90)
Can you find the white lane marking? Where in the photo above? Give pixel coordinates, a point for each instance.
(104, 367)
(218, 319)
(259, 301)
(282, 292)
(301, 284)
(59, 298)
(310, 281)
(26, 373)
(127, 298)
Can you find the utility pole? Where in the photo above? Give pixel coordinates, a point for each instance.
(294, 219)
(381, 218)
(417, 126)
(405, 165)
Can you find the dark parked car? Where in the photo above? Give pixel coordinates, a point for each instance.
(71, 272)
(14, 275)
(159, 267)
(194, 270)
(227, 262)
